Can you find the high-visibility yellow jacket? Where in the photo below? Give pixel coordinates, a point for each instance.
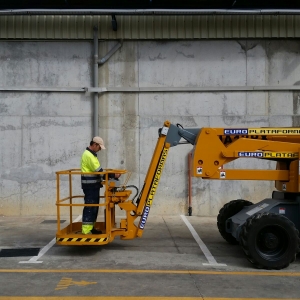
(90, 163)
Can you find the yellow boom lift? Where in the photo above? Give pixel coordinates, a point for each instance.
(268, 231)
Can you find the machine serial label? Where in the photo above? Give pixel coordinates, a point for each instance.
(153, 188)
(261, 131)
(257, 209)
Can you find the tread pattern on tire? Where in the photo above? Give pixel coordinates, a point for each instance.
(228, 210)
(244, 244)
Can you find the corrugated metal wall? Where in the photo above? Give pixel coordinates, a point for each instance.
(151, 27)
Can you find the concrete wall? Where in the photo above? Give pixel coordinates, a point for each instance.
(41, 133)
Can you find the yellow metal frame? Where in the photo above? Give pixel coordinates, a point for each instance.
(71, 234)
(212, 152)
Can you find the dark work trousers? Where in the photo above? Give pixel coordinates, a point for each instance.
(90, 213)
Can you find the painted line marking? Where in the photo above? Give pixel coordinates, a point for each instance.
(66, 282)
(189, 272)
(211, 260)
(134, 298)
(34, 259)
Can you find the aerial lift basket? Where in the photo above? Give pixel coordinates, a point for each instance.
(113, 194)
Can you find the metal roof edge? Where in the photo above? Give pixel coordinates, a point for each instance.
(150, 12)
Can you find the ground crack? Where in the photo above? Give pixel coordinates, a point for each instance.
(198, 289)
(171, 235)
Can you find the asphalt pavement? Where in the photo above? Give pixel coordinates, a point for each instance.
(170, 261)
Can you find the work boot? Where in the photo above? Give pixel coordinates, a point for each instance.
(95, 231)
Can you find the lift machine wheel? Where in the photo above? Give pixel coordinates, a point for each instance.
(269, 240)
(227, 211)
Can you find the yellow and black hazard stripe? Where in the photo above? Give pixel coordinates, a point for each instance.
(91, 240)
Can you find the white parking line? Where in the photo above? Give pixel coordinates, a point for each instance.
(211, 260)
(34, 259)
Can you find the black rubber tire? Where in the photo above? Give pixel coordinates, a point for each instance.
(270, 241)
(227, 211)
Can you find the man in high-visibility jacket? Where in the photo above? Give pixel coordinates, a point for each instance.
(91, 184)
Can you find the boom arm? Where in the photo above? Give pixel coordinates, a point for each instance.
(169, 136)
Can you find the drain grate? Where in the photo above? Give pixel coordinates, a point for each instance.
(19, 252)
(52, 221)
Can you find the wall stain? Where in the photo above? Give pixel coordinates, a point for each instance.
(47, 123)
(296, 100)
(3, 108)
(185, 55)
(232, 120)
(290, 66)
(8, 127)
(158, 57)
(283, 49)
(28, 174)
(245, 47)
(188, 45)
